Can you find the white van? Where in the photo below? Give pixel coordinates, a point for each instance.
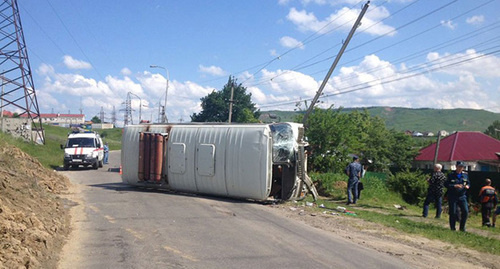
(83, 149)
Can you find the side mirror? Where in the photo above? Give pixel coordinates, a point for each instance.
(62, 147)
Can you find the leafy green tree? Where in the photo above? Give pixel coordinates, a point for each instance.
(334, 136)
(215, 106)
(95, 119)
(494, 130)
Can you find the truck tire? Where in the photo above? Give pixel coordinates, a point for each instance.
(96, 165)
(100, 164)
(66, 167)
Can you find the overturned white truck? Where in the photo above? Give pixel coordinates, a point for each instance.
(250, 161)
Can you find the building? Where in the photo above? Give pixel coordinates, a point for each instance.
(479, 151)
(53, 118)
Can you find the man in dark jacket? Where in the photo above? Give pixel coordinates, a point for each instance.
(457, 185)
(435, 191)
(489, 200)
(353, 170)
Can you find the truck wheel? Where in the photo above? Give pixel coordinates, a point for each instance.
(100, 164)
(96, 165)
(66, 167)
(74, 166)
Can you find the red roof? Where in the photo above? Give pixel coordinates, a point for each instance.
(463, 146)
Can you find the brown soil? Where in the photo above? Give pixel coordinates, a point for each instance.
(416, 250)
(34, 221)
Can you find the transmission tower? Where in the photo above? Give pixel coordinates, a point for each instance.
(17, 81)
(113, 117)
(127, 111)
(101, 115)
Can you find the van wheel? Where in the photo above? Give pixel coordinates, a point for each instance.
(96, 165)
(100, 164)
(66, 167)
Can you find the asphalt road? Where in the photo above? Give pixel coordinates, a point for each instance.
(123, 227)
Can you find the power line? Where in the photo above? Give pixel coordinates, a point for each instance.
(363, 86)
(74, 39)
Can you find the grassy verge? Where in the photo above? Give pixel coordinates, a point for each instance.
(50, 154)
(377, 205)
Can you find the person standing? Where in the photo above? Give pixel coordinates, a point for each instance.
(435, 191)
(353, 170)
(457, 185)
(106, 153)
(489, 200)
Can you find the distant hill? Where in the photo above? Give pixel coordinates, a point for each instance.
(421, 119)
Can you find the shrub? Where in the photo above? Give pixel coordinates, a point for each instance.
(411, 185)
(331, 184)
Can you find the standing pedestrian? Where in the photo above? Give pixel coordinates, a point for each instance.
(457, 185)
(489, 201)
(435, 191)
(106, 153)
(353, 170)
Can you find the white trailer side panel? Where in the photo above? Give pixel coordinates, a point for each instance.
(226, 160)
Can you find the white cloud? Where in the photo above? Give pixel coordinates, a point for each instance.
(343, 19)
(126, 72)
(283, 2)
(72, 63)
(273, 52)
(212, 70)
(476, 20)
(461, 86)
(290, 42)
(449, 24)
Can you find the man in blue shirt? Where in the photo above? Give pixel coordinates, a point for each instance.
(106, 153)
(353, 170)
(457, 185)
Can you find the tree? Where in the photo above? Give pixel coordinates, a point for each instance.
(334, 136)
(95, 119)
(494, 130)
(215, 106)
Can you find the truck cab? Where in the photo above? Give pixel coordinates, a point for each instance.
(84, 149)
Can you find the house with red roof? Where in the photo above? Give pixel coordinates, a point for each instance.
(479, 151)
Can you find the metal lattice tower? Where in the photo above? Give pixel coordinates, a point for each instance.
(17, 82)
(113, 117)
(127, 115)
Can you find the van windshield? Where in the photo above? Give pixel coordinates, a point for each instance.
(81, 142)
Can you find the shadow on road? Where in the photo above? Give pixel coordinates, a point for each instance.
(122, 187)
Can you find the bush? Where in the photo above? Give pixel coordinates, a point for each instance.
(411, 185)
(331, 184)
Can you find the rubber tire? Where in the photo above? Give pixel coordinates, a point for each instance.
(66, 167)
(100, 164)
(74, 166)
(95, 166)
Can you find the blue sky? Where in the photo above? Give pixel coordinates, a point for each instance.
(420, 53)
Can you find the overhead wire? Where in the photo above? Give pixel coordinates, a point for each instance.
(265, 81)
(380, 81)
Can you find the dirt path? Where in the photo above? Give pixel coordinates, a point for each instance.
(415, 250)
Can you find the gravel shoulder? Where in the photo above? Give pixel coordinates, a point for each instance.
(416, 251)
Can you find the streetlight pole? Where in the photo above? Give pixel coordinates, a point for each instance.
(164, 118)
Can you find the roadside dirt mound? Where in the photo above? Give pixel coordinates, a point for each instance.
(33, 219)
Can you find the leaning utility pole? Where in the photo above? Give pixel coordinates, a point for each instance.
(335, 62)
(436, 153)
(17, 76)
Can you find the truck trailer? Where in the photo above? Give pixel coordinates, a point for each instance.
(246, 161)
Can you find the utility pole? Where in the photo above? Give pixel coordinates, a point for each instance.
(437, 148)
(101, 115)
(231, 101)
(164, 118)
(335, 62)
(113, 117)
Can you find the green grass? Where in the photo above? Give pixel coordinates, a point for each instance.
(377, 205)
(50, 154)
